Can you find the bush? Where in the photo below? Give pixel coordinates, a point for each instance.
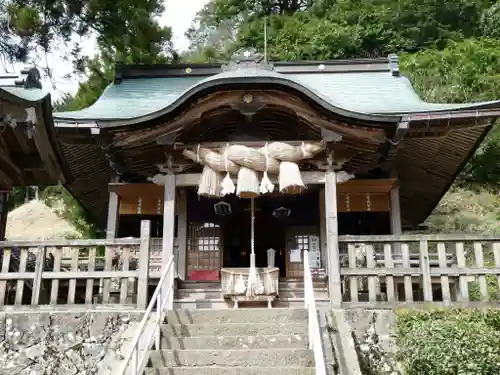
(449, 342)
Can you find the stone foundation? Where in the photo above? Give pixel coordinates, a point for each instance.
(373, 332)
(85, 343)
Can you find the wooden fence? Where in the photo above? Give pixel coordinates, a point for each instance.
(376, 271)
(76, 271)
(391, 271)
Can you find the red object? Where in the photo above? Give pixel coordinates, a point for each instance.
(204, 275)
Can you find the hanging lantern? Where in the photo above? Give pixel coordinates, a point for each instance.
(222, 209)
(281, 212)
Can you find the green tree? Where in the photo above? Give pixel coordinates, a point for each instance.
(127, 27)
(145, 43)
(465, 71)
(325, 29)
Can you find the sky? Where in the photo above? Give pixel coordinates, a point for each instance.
(178, 15)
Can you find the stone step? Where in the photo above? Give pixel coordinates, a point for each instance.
(233, 329)
(222, 304)
(221, 370)
(236, 342)
(199, 285)
(202, 304)
(241, 315)
(298, 284)
(231, 358)
(217, 293)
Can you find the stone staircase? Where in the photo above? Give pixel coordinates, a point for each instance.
(208, 295)
(236, 342)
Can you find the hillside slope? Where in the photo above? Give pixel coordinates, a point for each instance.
(36, 221)
(466, 211)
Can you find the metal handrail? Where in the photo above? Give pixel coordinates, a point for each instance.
(312, 319)
(159, 299)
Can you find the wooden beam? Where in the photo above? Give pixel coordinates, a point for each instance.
(45, 149)
(367, 186)
(332, 240)
(181, 146)
(28, 162)
(126, 190)
(8, 164)
(192, 179)
(311, 178)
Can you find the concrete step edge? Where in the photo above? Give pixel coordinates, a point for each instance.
(202, 290)
(252, 309)
(230, 337)
(151, 370)
(285, 323)
(236, 350)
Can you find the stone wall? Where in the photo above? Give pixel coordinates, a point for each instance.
(64, 343)
(373, 333)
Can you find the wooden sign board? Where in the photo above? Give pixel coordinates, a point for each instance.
(363, 202)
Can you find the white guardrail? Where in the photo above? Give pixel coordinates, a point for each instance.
(312, 320)
(149, 329)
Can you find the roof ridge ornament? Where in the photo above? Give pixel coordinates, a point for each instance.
(247, 60)
(30, 78)
(394, 64)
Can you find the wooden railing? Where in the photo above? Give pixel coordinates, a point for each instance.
(149, 328)
(74, 272)
(390, 271)
(314, 332)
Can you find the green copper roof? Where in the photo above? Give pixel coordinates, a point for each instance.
(356, 92)
(30, 95)
(25, 87)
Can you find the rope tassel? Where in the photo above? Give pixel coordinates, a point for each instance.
(227, 183)
(266, 186)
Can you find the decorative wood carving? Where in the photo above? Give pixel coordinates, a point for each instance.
(228, 99)
(247, 60)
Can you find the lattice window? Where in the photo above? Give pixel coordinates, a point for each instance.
(298, 238)
(204, 244)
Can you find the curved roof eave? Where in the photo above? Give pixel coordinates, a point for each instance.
(216, 82)
(22, 96)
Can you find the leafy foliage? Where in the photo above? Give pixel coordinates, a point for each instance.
(126, 30)
(125, 27)
(65, 205)
(449, 341)
(466, 211)
(342, 28)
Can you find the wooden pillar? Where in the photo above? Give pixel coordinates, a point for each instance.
(113, 209)
(4, 210)
(111, 233)
(168, 233)
(332, 240)
(396, 227)
(143, 278)
(322, 229)
(182, 234)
